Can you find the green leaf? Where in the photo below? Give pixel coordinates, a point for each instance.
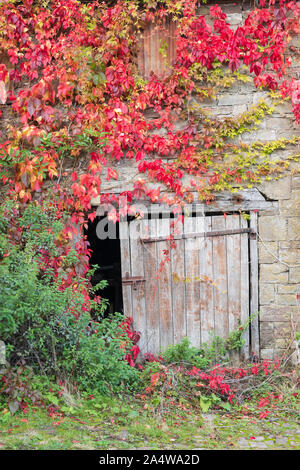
(226, 405)
(205, 403)
(52, 398)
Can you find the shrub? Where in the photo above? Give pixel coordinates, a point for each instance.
(17, 388)
(49, 329)
(47, 322)
(101, 358)
(209, 353)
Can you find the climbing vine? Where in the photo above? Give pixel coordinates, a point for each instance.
(73, 105)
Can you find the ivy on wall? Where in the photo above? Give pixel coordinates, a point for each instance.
(74, 102)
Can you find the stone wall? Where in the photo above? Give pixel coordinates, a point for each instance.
(279, 229)
(279, 266)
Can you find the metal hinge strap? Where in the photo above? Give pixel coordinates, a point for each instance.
(218, 233)
(132, 280)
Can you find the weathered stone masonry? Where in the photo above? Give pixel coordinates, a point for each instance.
(278, 227)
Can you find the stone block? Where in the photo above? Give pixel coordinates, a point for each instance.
(279, 123)
(280, 343)
(273, 313)
(294, 275)
(232, 8)
(292, 205)
(281, 189)
(295, 358)
(286, 299)
(259, 95)
(295, 41)
(234, 19)
(294, 228)
(233, 100)
(203, 10)
(235, 110)
(261, 135)
(267, 354)
(272, 228)
(282, 330)
(274, 210)
(296, 182)
(267, 252)
(266, 293)
(226, 111)
(290, 257)
(287, 133)
(289, 245)
(2, 353)
(283, 108)
(278, 353)
(266, 335)
(288, 289)
(273, 273)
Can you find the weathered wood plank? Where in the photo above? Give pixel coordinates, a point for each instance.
(138, 294)
(178, 290)
(233, 272)
(220, 278)
(192, 289)
(254, 302)
(246, 200)
(233, 279)
(151, 289)
(206, 287)
(125, 266)
(164, 282)
(245, 287)
(154, 37)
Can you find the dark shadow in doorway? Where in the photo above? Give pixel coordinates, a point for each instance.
(103, 236)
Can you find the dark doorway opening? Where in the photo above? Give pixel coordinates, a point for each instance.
(104, 239)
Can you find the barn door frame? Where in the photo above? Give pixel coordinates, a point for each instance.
(250, 201)
(138, 278)
(254, 286)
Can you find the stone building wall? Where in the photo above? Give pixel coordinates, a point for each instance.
(279, 267)
(279, 229)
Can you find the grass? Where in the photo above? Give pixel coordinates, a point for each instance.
(125, 424)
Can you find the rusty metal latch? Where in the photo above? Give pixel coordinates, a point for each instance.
(127, 280)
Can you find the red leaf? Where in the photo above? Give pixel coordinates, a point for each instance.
(111, 173)
(92, 216)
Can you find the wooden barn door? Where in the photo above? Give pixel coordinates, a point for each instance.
(157, 48)
(199, 288)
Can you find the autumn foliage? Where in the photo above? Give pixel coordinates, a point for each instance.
(70, 69)
(74, 105)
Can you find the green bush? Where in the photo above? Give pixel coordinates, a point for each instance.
(51, 328)
(102, 360)
(208, 354)
(37, 324)
(184, 352)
